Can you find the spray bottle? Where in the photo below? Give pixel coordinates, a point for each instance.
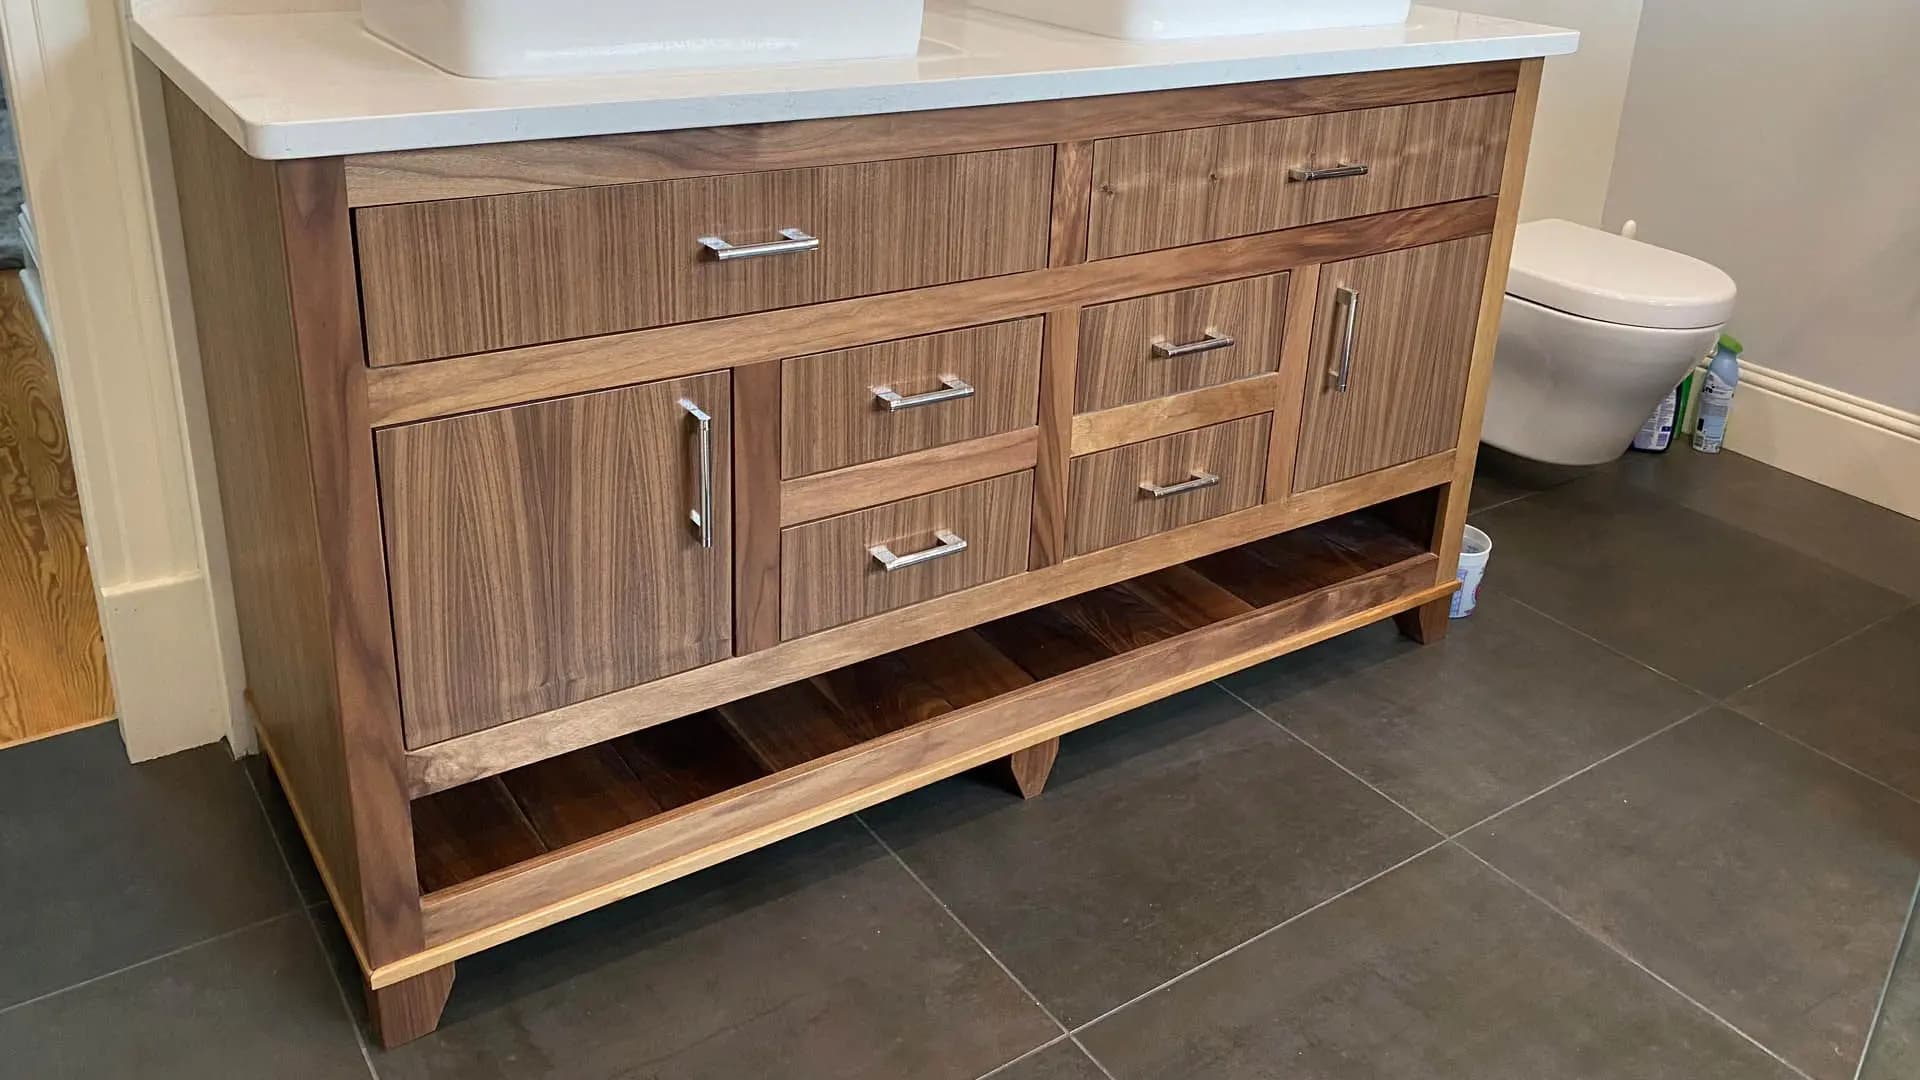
(1716, 396)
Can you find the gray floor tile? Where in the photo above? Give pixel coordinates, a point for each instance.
(1061, 1061)
(104, 864)
(1508, 703)
(1500, 477)
(1894, 1053)
(1859, 701)
(1164, 837)
(286, 830)
(1710, 604)
(1762, 879)
(258, 1003)
(1440, 969)
(1865, 540)
(818, 957)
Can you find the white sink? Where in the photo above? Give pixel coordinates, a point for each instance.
(502, 38)
(1155, 20)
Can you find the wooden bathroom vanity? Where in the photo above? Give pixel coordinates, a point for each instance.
(601, 508)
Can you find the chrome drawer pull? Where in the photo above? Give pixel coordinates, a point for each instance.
(1206, 344)
(956, 388)
(950, 544)
(1200, 480)
(795, 241)
(1348, 299)
(1331, 172)
(702, 515)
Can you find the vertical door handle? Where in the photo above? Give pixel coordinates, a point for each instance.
(1349, 300)
(702, 515)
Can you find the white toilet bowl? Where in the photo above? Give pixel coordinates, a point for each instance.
(1596, 328)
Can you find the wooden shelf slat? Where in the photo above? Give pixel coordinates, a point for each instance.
(789, 726)
(580, 795)
(687, 761)
(964, 668)
(462, 833)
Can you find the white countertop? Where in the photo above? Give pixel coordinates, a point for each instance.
(316, 84)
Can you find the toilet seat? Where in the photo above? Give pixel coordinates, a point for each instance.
(1604, 276)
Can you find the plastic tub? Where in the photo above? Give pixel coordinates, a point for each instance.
(1475, 550)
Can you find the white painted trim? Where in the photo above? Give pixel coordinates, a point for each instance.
(113, 326)
(1868, 450)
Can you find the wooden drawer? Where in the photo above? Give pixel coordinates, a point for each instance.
(1173, 342)
(1109, 505)
(1185, 187)
(829, 576)
(471, 275)
(832, 413)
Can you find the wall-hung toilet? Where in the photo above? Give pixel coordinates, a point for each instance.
(1596, 328)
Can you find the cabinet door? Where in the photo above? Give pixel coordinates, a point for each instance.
(1391, 390)
(543, 554)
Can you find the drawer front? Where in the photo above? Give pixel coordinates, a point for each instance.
(1174, 342)
(1110, 503)
(857, 405)
(830, 576)
(1185, 187)
(471, 275)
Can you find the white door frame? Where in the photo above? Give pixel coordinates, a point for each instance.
(95, 170)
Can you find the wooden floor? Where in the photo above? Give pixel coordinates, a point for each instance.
(53, 665)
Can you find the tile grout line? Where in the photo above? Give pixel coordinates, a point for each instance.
(1614, 649)
(1828, 647)
(137, 964)
(1065, 1032)
(1335, 762)
(1622, 954)
(1880, 1003)
(313, 924)
(1011, 1062)
(1809, 747)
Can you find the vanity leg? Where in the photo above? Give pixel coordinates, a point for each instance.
(407, 1010)
(1426, 624)
(1031, 766)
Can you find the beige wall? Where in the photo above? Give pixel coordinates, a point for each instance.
(1580, 100)
(1780, 140)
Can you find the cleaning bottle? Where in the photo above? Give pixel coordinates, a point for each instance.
(1656, 435)
(1716, 396)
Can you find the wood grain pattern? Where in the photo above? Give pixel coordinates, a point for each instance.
(407, 1010)
(1296, 353)
(1072, 202)
(1411, 353)
(470, 275)
(1117, 362)
(280, 358)
(508, 746)
(53, 662)
(514, 902)
(469, 831)
(1108, 507)
(543, 554)
(435, 387)
(1031, 767)
(881, 695)
(964, 668)
(1182, 187)
(1044, 642)
(828, 576)
(501, 168)
(1104, 430)
(680, 763)
(857, 487)
(1188, 596)
(756, 425)
(788, 726)
(1059, 357)
(580, 795)
(832, 418)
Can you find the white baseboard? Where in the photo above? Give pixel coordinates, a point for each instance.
(1866, 449)
(158, 634)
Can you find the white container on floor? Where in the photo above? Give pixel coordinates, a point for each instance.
(1475, 550)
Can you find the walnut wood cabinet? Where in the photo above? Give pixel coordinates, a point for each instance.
(605, 508)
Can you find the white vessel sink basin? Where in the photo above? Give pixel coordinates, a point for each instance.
(1158, 20)
(504, 38)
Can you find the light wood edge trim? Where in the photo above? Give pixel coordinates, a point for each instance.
(452, 940)
(875, 483)
(522, 742)
(1451, 519)
(540, 165)
(1151, 419)
(306, 834)
(1296, 352)
(431, 388)
(1059, 369)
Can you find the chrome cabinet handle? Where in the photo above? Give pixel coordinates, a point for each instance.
(702, 515)
(1348, 299)
(956, 388)
(950, 544)
(1200, 480)
(725, 252)
(1206, 344)
(1304, 173)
